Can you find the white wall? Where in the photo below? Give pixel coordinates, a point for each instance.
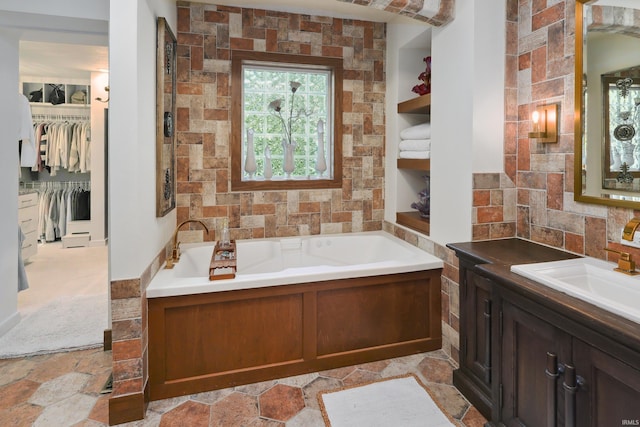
(489, 49)
(467, 112)
(407, 45)
(98, 158)
(136, 236)
(9, 247)
(89, 9)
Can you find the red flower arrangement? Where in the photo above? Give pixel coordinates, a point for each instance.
(425, 87)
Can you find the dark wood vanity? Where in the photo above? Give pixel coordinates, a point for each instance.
(533, 356)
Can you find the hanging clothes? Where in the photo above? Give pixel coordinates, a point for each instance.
(63, 145)
(58, 206)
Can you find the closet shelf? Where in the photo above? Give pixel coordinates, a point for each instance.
(415, 164)
(419, 105)
(413, 220)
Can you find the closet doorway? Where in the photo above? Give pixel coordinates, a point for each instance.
(62, 204)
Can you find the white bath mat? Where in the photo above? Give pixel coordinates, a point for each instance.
(66, 323)
(397, 402)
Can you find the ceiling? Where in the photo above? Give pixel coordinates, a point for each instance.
(77, 54)
(62, 59)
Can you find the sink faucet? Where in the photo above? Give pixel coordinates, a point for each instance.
(626, 264)
(175, 252)
(630, 229)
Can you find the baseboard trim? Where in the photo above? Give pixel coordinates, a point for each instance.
(9, 323)
(107, 340)
(126, 408)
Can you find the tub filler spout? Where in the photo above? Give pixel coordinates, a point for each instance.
(175, 252)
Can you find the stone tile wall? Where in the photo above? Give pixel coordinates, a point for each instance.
(540, 40)
(207, 34)
(449, 284)
(130, 338)
(411, 8)
(546, 212)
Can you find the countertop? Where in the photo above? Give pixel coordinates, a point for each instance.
(508, 252)
(493, 260)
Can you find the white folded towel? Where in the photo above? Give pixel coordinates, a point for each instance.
(421, 131)
(414, 154)
(415, 145)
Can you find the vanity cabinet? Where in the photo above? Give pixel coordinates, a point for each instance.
(534, 356)
(531, 387)
(478, 375)
(551, 377)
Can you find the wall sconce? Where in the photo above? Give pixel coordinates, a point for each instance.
(545, 123)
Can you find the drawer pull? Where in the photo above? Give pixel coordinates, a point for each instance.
(553, 371)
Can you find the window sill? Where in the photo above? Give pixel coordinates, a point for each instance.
(285, 184)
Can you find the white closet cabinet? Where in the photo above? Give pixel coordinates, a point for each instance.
(28, 220)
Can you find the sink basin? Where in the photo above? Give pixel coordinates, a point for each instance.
(589, 279)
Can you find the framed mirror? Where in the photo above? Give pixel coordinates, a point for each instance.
(607, 103)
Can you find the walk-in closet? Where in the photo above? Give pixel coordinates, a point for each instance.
(63, 197)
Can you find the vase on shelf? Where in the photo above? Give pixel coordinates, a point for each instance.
(423, 205)
(288, 165)
(250, 165)
(268, 170)
(321, 163)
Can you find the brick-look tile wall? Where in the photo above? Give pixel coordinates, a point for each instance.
(207, 34)
(412, 9)
(546, 210)
(449, 285)
(130, 337)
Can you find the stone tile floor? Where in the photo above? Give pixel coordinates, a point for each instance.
(63, 389)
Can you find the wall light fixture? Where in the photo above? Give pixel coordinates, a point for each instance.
(544, 121)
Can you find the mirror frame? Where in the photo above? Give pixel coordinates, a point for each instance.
(577, 164)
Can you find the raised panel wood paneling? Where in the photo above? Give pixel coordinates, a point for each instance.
(611, 391)
(526, 341)
(226, 332)
(217, 340)
(356, 318)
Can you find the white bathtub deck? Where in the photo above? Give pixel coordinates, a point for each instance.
(275, 262)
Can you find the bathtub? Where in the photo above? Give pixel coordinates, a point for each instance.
(284, 261)
(349, 299)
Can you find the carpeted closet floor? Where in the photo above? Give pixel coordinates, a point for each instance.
(66, 305)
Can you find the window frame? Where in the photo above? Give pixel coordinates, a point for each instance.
(238, 58)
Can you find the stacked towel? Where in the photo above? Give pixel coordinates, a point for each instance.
(415, 142)
(415, 145)
(415, 154)
(421, 131)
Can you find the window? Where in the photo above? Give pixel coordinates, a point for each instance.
(280, 103)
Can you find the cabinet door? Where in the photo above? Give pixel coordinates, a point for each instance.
(478, 319)
(474, 377)
(529, 396)
(610, 395)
